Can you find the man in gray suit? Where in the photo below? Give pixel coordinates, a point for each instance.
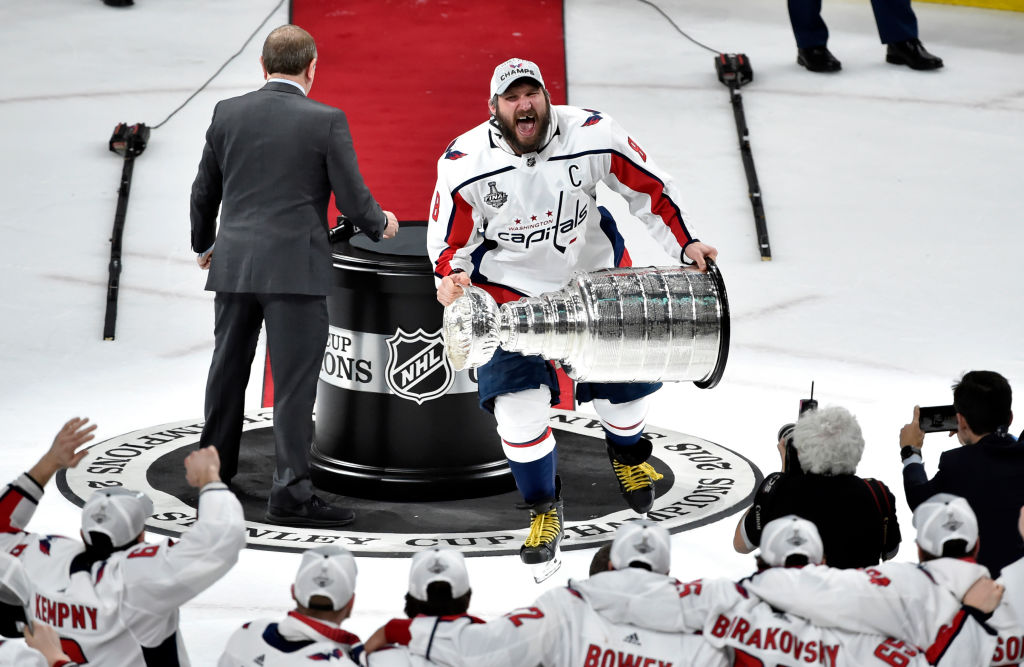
(272, 159)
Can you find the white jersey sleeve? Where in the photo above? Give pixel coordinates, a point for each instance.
(453, 227)
(156, 579)
(14, 653)
(18, 503)
(649, 191)
(1008, 618)
(294, 640)
(906, 601)
(561, 629)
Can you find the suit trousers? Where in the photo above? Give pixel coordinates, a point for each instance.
(297, 330)
(895, 20)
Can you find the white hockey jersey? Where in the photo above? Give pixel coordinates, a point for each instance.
(1008, 618)
(14, 653)
(294, 640)
(757, 634)
(561, 629)
(522, 225)
(106, 615)
(915, 603)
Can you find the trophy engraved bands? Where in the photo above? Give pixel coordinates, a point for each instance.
(648, 324)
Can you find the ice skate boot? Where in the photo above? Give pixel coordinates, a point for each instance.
(636, 477)
(540, 550)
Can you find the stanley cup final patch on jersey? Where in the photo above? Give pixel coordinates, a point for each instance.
(495, 197)
(703, 483)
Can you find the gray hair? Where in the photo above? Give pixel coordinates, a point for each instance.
(828, 441)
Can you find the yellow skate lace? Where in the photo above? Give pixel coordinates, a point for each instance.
(544, 528)
(636, 477)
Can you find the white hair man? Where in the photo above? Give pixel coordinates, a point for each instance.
(114, 599)
(324, 592)
(855, 516)
(599, 621)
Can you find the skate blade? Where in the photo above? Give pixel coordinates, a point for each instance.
(543, 571)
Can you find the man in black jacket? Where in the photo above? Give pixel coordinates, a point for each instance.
(272, 159)
(855, 516)
(987, 471)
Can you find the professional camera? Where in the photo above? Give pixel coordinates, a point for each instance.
(786, 433)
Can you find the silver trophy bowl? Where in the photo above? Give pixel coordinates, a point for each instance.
(652, 324)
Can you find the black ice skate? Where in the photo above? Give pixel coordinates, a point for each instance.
(636, 477)
(540, 550)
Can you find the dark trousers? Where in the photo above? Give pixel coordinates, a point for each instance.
(895, 20)
(296, 337)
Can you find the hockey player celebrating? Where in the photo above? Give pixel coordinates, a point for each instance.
(43, 649)
(916, 603)
(114, 599)
(604, 620)
(515, 213)
(759, 633)
(324, 592)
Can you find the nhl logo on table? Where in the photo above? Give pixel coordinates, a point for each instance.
(417, 368)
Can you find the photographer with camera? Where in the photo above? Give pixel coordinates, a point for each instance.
(855, 516)
(987, 471)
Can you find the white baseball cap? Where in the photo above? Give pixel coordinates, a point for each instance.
(438, 564)
(329, 571)
(511, 71)
(644, 542)
(942, 518)
(15, 588)
(118, 513)
(791, 536)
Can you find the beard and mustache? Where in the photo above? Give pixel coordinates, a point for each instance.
(507, 124)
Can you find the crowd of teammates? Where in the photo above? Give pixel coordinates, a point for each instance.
(112, 598)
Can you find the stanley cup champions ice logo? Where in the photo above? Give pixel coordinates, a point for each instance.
(418, 368)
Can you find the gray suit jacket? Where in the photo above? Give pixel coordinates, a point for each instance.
(271, 161)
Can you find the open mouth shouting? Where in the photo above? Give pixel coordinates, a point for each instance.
(526, 125)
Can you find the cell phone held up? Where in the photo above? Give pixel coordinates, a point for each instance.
(937, 418)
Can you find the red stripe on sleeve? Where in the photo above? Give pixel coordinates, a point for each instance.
(460, 230)
(945, 637)
(637, 180)
(8, 504)
(396, 631)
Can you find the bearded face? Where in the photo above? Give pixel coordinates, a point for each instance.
(523, 114)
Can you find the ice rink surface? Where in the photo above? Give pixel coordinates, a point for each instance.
(892, 199)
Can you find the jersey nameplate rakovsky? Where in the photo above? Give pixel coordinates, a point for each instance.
(711, 482)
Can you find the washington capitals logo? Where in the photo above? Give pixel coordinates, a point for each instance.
(44, 545)
(594, 119)
(495, 197)
(417, 367)
(453, 154)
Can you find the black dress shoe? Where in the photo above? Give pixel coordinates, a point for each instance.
(912, 54)
(315, 513)
(818, 59)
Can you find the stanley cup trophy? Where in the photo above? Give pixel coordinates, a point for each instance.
(653, 324)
